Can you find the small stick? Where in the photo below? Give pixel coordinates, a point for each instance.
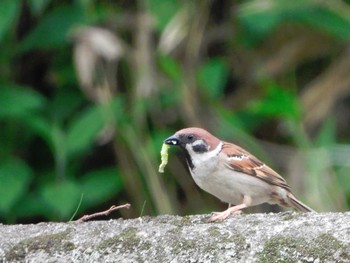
(103, 213)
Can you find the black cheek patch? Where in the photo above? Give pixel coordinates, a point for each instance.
(200, 148)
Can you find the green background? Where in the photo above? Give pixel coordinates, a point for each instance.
(272, 76)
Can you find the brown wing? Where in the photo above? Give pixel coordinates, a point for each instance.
(242, 161)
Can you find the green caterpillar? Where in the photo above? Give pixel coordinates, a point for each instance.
(164, 157)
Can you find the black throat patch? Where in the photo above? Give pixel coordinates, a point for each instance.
(188, 159)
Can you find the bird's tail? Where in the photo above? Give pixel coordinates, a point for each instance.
(295, 203)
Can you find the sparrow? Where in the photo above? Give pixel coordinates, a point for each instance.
(231, 173)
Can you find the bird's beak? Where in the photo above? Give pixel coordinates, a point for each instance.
(172, 140)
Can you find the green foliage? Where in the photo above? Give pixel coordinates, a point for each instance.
(19, 102)
(170, 67)
(327, 135)
(88, 124)
(260, 19)
(38, 6)
(53, 31)
(84, 129)
(61, 198)
(99, 186)
(163, 11)
(9, 10)
(78, 207)
(68, 147)
(14, 181)
(277, 102)
(212, 77)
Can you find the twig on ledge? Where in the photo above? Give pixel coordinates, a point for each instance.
(103, 213)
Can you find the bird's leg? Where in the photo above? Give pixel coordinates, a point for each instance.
(231, 210)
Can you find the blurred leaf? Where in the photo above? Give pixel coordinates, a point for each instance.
(99, 186)
(163, 11)
(327, 134)
(117, 108)
(277, 102)
(61, 197)
(64, 74)
(173, 70)
(52, 30)
(64, 104)
(17, 101)
(9, 10)
(84, 129)
(333, 21)
(229, 119)
(39, 125)
(31, 205)
(343, 179)
(38, 6)
(58, 144)
(260, 17)
(170, 66)
(86, 126)
(55, 138)
(85, 3)
(14, 180)
(212, 77)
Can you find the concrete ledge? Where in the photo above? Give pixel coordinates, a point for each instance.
(284, 237)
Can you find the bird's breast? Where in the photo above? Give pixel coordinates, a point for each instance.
(230, 186)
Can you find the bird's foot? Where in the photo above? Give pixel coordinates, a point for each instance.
(234, 210)
(223, 215)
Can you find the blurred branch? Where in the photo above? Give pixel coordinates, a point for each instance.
(312, 172)
(132, 182)
(286, 50)
(175, 32)
(148, 167)
(198, 18)
(324, 91)
(339, 153)
(96, 53)
(144, 55)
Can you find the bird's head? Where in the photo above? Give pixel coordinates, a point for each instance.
(193, 140)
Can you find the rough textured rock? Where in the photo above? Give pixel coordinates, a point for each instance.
(284, 237)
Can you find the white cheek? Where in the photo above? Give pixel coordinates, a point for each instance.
(189, 148)
(199, 158)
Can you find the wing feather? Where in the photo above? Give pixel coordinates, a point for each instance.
(242, 161)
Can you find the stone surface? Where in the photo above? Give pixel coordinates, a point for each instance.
(283, 237)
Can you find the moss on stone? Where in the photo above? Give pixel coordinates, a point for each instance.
(50, 243)
(214, 231)
(288, 249)
(287, 216)
(186, 221)
(125, 241)
(180, 221)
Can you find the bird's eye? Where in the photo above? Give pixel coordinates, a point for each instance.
(190, 137)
